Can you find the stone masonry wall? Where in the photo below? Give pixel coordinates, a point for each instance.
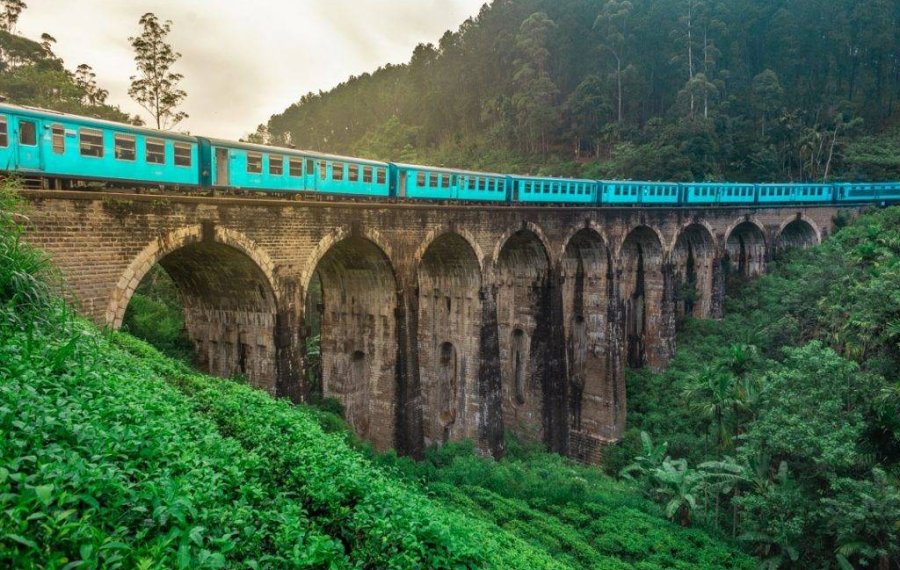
(440, 322)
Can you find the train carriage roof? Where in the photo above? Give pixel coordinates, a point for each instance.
(552, 178)
(34, 112)
(291, 151)
(447, 170)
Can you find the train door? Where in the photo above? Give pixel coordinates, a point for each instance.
(401, 186)
(29, 151)
(222, 167)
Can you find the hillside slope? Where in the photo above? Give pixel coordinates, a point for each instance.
(112, 455)
(644, 89)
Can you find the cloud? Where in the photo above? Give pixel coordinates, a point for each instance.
(243, 62)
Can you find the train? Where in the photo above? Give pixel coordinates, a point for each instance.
(63, 148)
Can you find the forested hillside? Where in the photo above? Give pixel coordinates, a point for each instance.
(653, 89)
(780, 425)
(30, 74)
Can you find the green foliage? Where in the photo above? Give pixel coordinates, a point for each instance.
(782, 420)
(583, 518)
(155, 315)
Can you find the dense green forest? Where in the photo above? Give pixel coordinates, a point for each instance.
(113, 455)
(647, 89)
(780, 425)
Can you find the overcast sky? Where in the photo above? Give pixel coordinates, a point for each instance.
(244, 60)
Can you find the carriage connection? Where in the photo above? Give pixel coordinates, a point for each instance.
(61, 147)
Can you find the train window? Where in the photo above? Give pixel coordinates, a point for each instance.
(58, 136)
(353, 173)
(323, 169)
(445, 181)
(254, 162)
(156, 151)
(27, 133)
(310, 166)
(480, 183)
(337, 171)
(380, 176)
(124, 147)
(276, 165)
(420, 179)
(91, 143)
(295, 167)
(367, 174)
(182, 154)
(4, 132)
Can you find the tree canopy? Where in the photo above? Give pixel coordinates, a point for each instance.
(662, 89)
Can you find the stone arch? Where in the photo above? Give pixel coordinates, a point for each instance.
(329, 241)
(227, 289)
(449, 281)
(797, 232)
(694, 259)
(522, 282)
(745, 249)
(462, 233)
(586, 271)
(590, 225)
(359, 340)
(642, 287)
(526, 226)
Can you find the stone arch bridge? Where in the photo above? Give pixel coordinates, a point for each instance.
(438, 322)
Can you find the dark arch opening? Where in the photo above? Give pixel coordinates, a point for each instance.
(519, 354)
(745, 251)
(356, 319)
(798, 234)
(642, 290)
(450, 317)
(523, 319)
(693, 263)
(227, 311)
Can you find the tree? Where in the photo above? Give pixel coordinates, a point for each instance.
(535, 98)
(767, 93)
(155, 87)
(86, 79)
(613, 24)
(10, 10)
(586, 109)
(260, 136)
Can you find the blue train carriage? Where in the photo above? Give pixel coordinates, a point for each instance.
(432, 183)
(52, 144)
(887, 192)
(630, 192)
(544, 190)
(712, 193)
(258, 167)
(793, 193)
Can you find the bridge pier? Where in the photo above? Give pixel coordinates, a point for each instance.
(438, 323)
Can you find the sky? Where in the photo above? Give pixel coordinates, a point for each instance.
(243, 61)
